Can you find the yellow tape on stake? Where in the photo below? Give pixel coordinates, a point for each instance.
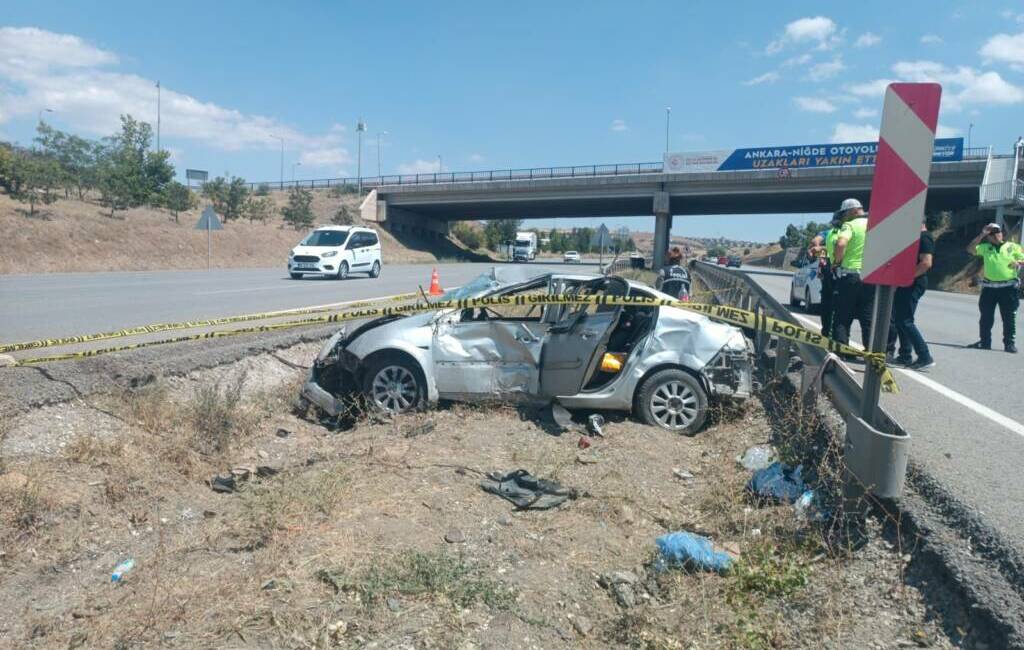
(185, 325)
(732, 315)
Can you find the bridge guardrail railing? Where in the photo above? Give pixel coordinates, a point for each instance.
(736, 289)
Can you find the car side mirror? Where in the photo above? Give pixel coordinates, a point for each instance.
(796, 263)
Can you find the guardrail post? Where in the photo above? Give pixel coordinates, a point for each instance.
(782, 347)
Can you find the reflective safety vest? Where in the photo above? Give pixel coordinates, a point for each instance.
(855, 231)
(999, 265)
(830, 244)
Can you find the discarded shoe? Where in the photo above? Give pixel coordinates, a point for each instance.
(525, 491)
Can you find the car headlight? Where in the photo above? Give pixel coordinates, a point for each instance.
(291, 254)
(329, 254)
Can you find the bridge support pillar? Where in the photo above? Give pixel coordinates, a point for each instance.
(662, 228)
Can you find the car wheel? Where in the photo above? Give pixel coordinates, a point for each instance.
(343, 271)
(296, 276)
(793, 300)
(375, 271)
(394, 385)
(673, 399)
(808, 305)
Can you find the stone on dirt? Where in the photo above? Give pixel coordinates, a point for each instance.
(454, 536)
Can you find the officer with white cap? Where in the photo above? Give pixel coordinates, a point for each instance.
(854, 299)
(1003, 261)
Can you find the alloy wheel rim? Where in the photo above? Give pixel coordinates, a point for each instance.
(394, 389)
(674, 405)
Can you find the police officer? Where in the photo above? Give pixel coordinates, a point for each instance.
(823, 247)
(854, 299)
(674, 279)
(1003, 261)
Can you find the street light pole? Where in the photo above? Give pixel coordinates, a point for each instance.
(158, 117)
(379, 133)
(39, 115)
(277, 137)
(668, 117)
(294, 165)
(969, 129)
(360, 127)
(440, 166)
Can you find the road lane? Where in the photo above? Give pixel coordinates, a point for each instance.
(975, 455)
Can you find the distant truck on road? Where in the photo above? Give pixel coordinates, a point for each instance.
(525, 247)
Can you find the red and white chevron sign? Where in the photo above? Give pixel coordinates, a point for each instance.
(898, 191)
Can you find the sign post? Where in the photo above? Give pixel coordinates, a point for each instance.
(208, 221)
(898, 191)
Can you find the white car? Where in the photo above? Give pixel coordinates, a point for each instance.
(571, 257)
(336, 251)
(805, 287)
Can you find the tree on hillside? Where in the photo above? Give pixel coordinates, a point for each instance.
(298, 212)
(801, 236)
(467, 235)
(76, 156)
(129, 174)
(343, 216)
(717, 250)
(227, 196)
(177, 198)
(34, 179)
(258, 208)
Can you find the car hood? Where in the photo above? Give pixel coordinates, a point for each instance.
(313, 250)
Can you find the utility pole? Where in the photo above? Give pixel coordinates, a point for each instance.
(360, 127)
(294, 165)
(277, 137)
(668, 118)
(440, 166)
(970, 128)
(158, 116)
(39, 115)
(379, 133)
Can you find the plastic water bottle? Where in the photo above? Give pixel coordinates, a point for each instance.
(808, 509)
(121, 569)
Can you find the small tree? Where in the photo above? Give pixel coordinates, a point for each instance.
(177, 198)
(498, 231)
(297, 212)
(227, 196)
(35, 176)
(343, 216)
(262, 190)
(258, 208)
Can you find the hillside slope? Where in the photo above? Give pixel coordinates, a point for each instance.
(78, 236)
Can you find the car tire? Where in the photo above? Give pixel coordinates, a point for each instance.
(793, 300)
(393, 384)
(342, 271)
(808, 305)
(296, 276)
(674, 400)
(375, 271)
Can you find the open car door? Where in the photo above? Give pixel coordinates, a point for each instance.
(574, 344)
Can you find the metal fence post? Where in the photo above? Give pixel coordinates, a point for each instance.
(782, 347)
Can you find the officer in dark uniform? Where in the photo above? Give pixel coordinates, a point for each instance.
(674, 279)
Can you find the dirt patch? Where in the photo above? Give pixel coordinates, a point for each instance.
(381, 537)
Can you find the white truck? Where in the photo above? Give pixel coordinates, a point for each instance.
(525, 247)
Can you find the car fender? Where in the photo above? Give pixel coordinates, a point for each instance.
(414, 342)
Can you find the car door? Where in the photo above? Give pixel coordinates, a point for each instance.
(574, 343)
(357, 247)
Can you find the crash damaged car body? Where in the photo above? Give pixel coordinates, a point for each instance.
(662, 363)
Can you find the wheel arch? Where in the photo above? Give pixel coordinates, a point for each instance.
(701, 379)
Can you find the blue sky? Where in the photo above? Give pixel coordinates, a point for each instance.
(492, 86)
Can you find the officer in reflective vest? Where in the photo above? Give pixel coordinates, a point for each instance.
(823, 247)
(1003, 261)
(674, 278)
(854, 299)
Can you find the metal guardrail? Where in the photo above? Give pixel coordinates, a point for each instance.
(736, 289)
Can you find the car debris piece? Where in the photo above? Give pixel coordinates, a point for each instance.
(562, 417)
(757, 457)
(526, 491)
(419, 430)
(583, 442)
(225, 484)
(682, 474)
(230, 482)
(283, 433)
(595, 423)
(117, 575)
(664, 364)
(691, 551)
(778, 482)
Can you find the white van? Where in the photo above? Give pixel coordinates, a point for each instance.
(336, 251)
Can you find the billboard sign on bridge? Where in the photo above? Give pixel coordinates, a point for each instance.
(848, 154)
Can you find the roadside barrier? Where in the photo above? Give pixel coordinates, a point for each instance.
(739, 317)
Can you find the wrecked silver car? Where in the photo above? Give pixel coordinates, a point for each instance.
(662, 363)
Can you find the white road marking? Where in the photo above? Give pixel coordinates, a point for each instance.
(949, 393)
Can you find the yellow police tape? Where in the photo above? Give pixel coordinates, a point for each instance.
(732, 315)
(185, 325)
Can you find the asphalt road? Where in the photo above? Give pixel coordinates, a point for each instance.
(966, 415)
(66, 304)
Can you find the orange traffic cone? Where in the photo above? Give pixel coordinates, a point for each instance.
(435, 284)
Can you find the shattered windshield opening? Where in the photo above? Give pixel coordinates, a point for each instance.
(476, 286)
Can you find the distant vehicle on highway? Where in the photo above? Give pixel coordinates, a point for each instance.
(723, 260)
(571, 257)
(335, 252)
(805, 287)
(734, 260)
(525, 247)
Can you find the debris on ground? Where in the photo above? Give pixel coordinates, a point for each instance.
(121, 569)
(778, 482)
(583, 442)
(682, 474)
(757, 457)
(693, 552)
(561, 417)
(595, 423)
(526, 491)
(455, 536)
(282, 432)
(228, 483)
(419, 429)
(625, 587)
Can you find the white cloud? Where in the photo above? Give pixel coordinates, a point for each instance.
(1009, 14)
(1005, 48)
(476, 158)
(619, 125)
(943, 131)
(817, 29)
(931, 39)
(803, 59)
(872, 89)
(865, 113)
(814, 105)
(867, 39)
(844, 132)
(41, 69)
(766, 78)
(826, 70)
(418, 167)
(963, 85)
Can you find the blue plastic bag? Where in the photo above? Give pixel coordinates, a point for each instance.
(692, 551)
(778, 481)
